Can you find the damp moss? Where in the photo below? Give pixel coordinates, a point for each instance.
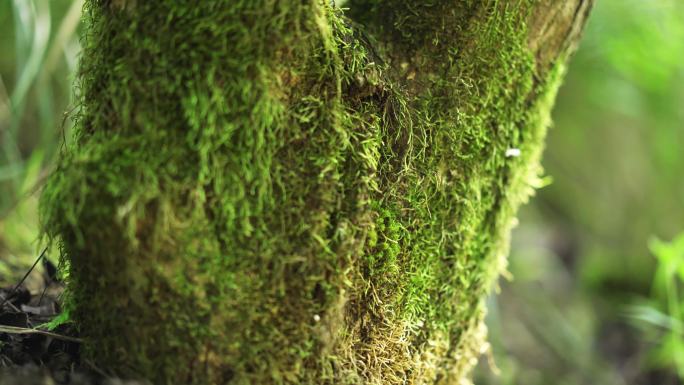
(266, 192)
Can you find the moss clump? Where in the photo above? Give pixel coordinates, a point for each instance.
(255, 195)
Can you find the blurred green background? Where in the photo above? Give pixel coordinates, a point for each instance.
(596, 276)
(38, 57)
(583, 306)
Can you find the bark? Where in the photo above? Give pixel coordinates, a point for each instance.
(275, 192)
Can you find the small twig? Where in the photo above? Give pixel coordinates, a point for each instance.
(98, 370)
(10, 304)
(18, 330)
(11, 293)
(4, 361)
(43, 294)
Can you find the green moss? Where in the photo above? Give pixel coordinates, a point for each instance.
(255, 196)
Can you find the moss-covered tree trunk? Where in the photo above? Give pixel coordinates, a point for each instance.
(282, 192)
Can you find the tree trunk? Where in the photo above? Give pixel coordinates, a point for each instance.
(279, 192)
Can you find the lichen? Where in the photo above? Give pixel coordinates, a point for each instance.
(261, 192)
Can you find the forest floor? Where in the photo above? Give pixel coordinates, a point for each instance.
(36, 346)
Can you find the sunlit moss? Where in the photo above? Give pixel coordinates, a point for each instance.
(254, 195)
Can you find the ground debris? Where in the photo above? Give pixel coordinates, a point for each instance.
(35, 375)
(33, 354)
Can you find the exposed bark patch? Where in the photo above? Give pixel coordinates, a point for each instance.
(123, 4)
(555, 28)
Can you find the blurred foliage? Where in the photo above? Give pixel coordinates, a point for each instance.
(661, 317)
(616, 150)
(580, 256)
(582, 271)
(40, 45)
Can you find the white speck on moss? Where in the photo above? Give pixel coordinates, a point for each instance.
(512, 153)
